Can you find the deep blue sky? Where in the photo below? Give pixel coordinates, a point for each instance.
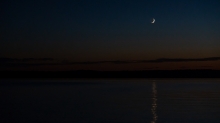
(94, 30)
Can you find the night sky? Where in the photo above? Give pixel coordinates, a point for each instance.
(109, 34)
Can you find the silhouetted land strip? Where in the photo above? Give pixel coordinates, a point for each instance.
(113, 74)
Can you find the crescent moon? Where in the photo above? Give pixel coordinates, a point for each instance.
(153, 20)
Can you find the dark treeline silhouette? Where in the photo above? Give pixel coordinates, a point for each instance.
(24, 62)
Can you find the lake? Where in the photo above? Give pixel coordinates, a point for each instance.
(110, 101)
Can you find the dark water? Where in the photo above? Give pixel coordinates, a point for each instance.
(110, 101)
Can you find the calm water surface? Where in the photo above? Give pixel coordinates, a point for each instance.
(110, 101)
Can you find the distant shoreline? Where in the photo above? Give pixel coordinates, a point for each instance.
(113, 74)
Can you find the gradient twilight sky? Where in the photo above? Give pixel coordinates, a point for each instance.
(111, 30)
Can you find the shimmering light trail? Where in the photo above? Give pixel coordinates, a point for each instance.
(154, 103)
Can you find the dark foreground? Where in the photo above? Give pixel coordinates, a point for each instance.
(113, 74)
(110, 101)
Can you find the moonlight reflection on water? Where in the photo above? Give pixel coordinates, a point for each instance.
(154, 102)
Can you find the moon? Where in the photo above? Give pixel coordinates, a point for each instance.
(153, 21)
